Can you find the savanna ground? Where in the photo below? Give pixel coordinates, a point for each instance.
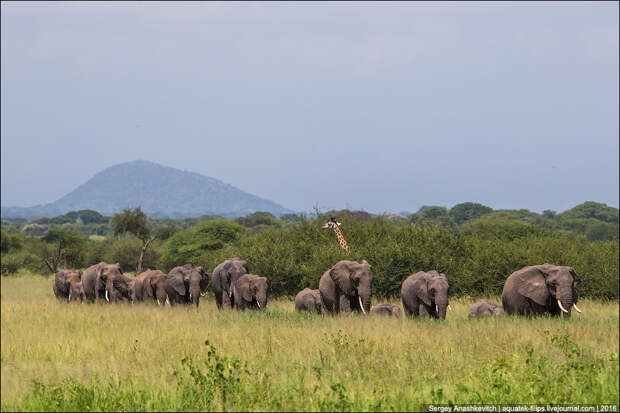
(72, 357)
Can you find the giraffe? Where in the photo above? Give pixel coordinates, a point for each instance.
(335, 225)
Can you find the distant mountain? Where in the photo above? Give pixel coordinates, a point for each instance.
(159, 190)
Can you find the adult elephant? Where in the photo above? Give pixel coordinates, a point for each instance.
(150, 285)
(95, 278)
(223, 277)
(118, 288)
(387, 310)
(186, 284)
(68, 285)
(542, 289)
(484, 308)
(425, 294)
(250, 292)
(346, 287)
(308, 300)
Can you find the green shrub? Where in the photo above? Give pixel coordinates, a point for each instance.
(476, 260)
(126, 252)
(10, 242)
(187, 246)
(13, 261)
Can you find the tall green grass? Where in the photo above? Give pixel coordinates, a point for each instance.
(78, 357)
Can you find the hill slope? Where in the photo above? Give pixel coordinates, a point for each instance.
(160, 190)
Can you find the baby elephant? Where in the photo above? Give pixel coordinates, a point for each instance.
(308, 300)
(386, 309)
(68, 285)
(484, 308)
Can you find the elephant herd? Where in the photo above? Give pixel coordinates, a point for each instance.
(344, 288)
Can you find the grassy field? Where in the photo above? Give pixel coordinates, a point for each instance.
(73, 357)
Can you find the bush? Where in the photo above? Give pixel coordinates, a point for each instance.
(187, 246)
(9, 242)
(13, 261)
(126, 252)
(476, 260)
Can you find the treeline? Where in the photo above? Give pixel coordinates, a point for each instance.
(598, 222)
(476, 248)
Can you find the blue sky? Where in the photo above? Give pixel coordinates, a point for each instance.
(382, 107)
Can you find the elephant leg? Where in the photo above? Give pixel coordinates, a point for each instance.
(226, 303)
(344, 304)
(423, 311)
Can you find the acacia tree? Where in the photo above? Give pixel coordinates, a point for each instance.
(135, 222)
(59, 246)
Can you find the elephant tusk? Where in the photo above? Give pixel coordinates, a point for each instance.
(436, 308)
(562, 307)
(449, 307)
(576, 308)
(106, 296)
(230, 293)
(258, 304)
(361, 305)
(203, 294)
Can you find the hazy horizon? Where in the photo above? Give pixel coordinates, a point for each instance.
(380, 107)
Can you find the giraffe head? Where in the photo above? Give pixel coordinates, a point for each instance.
(331, 224)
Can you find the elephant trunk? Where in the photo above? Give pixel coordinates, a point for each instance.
(565, 301)
(441, 305)
(261, 301)
(364, 299)
(195, 296)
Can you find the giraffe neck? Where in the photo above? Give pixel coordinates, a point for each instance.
(341, 240)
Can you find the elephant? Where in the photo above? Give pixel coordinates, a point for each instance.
(186, 284)
(150, 285)
(118, 288)
(345, 287)
(68, 284)
(309, 300)
(250, 292)
(425, 294)
(386, 309)
(94, 280)
(484, 308)
(222, 279)
(542, 289)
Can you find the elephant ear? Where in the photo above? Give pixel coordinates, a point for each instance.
(341, 275)
(244, 263)
(147, 286)
(575, 276)
(204, 279)
(531, 283)
(576, 284)
(421, 290)
(61, 282)
(177, 284)
(246, 289)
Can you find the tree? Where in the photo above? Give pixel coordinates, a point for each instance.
(467, 211)
(590, 209)
(432, 216)
(61, 246)
(187, 246)
(135, 222)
